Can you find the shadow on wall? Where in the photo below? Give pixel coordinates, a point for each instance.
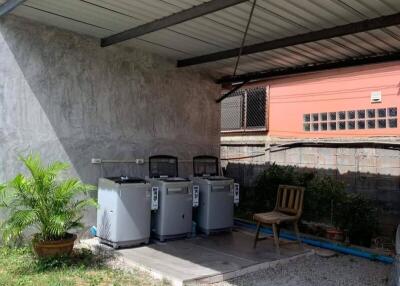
(185, 169)
(383, 190)
(67, 98)
(63, 96)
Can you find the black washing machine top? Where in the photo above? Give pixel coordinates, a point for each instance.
(205, 165)
(161, 166)
(216, 178)
(127, 180)
(174, 179)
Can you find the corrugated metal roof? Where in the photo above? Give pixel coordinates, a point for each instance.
(223, 29)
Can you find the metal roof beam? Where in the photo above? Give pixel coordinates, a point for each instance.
(262, 75)
(9, 5)
(352, 28)
(176, 18)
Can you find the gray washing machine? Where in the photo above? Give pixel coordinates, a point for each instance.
(216, 196)
(123, 217)
(173, 219)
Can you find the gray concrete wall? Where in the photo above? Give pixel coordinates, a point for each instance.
(65, 97)
(373, 172)
(244, 163)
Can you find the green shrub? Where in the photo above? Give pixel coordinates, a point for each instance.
(325, 201)
(321, 197)
(264, 193)
(42, 202)
(359, 217)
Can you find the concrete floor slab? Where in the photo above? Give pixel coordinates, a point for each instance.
(208, 259)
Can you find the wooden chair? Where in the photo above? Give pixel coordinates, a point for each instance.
(288, 209)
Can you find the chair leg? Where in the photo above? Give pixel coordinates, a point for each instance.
(257, 234)
(278, 228)
(296, 230)
(276, 238)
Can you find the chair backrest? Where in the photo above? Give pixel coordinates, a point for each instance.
(290, 200)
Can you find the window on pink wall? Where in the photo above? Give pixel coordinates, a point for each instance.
(244, 111)
(378, 118)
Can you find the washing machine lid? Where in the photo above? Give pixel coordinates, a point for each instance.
(163, 166)
(218, 178)
(205, 166)
(127, 180)
(174, 180)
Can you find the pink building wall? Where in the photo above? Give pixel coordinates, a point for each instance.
(332, 91)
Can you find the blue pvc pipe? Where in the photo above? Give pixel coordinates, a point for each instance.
(322, 244)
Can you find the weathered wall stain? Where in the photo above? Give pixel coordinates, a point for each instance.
(67, 98)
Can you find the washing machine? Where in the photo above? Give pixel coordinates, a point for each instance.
(124, 213)
(217, 196)
(173, 218)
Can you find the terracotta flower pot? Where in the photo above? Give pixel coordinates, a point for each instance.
(51, 248)
(335, 234)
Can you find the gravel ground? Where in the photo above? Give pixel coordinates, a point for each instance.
(316, 270)
(343, 270)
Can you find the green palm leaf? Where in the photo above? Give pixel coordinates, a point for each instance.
(42, 202)
(17, 223)
(82, 204)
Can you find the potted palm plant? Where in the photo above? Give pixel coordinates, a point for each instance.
(43, 203)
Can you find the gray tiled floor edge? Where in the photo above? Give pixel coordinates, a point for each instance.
(246, 270)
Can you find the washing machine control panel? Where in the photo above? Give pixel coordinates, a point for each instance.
(236, 193)
(154, 198)
(196, 194)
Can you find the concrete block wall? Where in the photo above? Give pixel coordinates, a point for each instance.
(65, 97)
(244, 170)
(371, 171)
